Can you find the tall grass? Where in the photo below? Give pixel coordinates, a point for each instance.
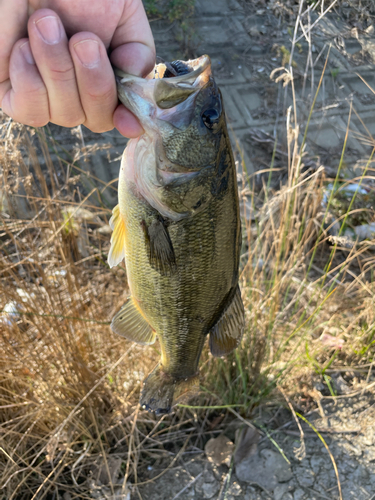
(66, 382)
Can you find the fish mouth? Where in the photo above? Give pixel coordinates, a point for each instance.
(167, 86)
(179, 72)
(176, 71)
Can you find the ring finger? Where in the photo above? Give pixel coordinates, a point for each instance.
(49, 45)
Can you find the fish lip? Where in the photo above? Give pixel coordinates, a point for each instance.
(199, 65)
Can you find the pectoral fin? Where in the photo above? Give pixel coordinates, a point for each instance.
(117, 250)
(160, 248)
(226, 334)
(131, 324)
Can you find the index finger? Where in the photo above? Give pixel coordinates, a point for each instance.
(13, 26)
(132, 43)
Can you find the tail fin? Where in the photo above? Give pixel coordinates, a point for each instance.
(161, 391)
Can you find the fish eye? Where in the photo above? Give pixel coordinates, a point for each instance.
(210, 117)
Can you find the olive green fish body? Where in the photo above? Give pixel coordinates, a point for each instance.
(181, 248)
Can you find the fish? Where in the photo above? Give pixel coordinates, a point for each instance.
(177, 225)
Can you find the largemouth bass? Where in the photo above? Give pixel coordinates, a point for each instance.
(178, 227)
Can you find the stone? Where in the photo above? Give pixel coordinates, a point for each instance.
(266, 468)
(316, 463)
(252, 494)
(234, 489)
(360, 474)
(305, 477)
(208, 477)
(279, 491)
(219, 450)
(207, 485)
(210, 489)
(299, 494)
(326, 478)
(340, 384)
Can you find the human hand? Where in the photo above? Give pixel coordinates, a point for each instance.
(48, 77)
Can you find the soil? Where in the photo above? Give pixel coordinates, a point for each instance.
(281, 466)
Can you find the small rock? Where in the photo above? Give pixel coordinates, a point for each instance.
(252, 494)
(210, 489)
(219, 450)
(234, 489)
(299, 494)
(278, 492)
(316, 463)
(266, 468)
(253, 31)
(361, 475)
(305, 477)
(208, 477)
(341, 386)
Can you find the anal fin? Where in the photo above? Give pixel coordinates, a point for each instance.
(226, 334)
(160, 248)
(130, 323)
(117, 250)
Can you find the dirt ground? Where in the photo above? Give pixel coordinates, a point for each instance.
(346, 425)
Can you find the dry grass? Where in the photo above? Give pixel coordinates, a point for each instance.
(66, 381)
(69, 420)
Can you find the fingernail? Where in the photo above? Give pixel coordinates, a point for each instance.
(49, 29)
(88, 52)
(26, 52)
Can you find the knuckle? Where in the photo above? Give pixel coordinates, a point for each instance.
(35, 94)
(62, 74)
(103, 94)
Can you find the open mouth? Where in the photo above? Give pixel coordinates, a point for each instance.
(180, 71)
(166, 69)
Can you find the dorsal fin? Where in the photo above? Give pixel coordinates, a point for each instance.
(226, 334)
(130, 323)
(117, 250)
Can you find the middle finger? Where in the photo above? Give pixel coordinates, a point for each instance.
(50, 48)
